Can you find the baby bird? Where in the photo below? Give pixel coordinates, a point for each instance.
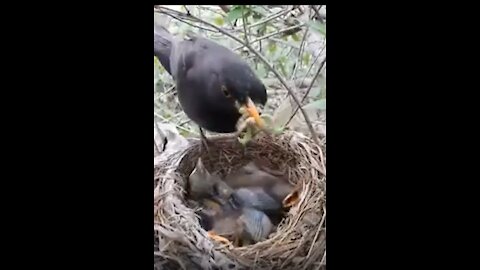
(256, 197)
(262, 183)
(230, 218)
(203, 185)
(244, 226)
(255, 226)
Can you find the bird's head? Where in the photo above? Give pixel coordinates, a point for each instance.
(242, 88)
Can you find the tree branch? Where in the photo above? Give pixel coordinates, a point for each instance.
(273, 17)
(308, 90)
(317, 12)
(271, 35)
(191, 24)
(244, 22)
(299, 57)
(225, 8)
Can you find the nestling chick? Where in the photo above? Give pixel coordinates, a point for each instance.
(252, 177)
(256, 197)
(243, 226)
(203, 185)
(229, 218)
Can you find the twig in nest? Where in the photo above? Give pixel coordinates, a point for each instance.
(320, 225)
(264, 60)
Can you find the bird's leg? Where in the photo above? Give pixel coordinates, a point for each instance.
(204, 139)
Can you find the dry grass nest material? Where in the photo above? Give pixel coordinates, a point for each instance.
(297, 243)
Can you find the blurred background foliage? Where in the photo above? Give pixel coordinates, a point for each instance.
(291, 38)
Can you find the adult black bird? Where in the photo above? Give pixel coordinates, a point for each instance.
(214, 85)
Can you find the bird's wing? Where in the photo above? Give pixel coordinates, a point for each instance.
(257, 224)
(257, 198)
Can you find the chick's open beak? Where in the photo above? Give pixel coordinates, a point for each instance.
(252, 111)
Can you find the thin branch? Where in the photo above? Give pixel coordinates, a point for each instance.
(210, 9)
(191, 24)
(162, 95)
(179, 127)
(299, 58)
(317, 12)
(273, 17)
(265, 61)
(312, 65)
(225, 8)
(271, 35)
(308, 90)
(285, 43)
(244, 22)
(186, 8)
(155, 148)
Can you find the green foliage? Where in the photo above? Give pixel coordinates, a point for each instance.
(219, 21)
(319, 27)
(272, 47)
(236, 12)
(320, 104)
(295, 37)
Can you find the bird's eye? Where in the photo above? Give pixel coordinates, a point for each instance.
(225, 91)
(215, 190)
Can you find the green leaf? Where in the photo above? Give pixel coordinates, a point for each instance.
(306, 58)
(258, 10)
(219, 21)
(320, 104)
(235, 13)
(295, 37)
(319, 27)
(184, 133)
(272, 47)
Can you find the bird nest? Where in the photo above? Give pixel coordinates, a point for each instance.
(297, 243)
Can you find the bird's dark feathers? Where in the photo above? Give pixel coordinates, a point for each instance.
(202, 70)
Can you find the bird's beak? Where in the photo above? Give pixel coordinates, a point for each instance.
(251, 111)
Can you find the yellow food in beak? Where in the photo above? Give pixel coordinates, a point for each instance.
(252, 111)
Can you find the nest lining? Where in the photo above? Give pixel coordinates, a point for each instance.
(298, 241)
